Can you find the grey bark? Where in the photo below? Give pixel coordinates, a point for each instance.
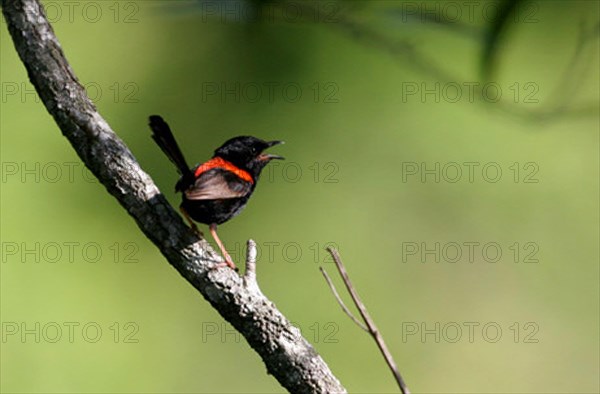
(287, 355)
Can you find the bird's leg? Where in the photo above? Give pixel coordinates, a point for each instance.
(187, 217)
(228, 260)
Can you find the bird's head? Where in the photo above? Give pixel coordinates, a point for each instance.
(247, 153)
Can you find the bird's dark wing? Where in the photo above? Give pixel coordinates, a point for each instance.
(216, 184)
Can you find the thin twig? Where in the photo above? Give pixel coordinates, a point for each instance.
(372, 328)
(339, 300)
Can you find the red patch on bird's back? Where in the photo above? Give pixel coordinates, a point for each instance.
(218, 162)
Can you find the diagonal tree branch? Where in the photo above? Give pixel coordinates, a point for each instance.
(286, 354)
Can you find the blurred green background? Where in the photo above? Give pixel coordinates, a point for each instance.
(88, 304)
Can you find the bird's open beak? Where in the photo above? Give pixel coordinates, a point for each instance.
(269, 156)
(273, 143)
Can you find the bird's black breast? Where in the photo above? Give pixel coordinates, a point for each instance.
(214, 211)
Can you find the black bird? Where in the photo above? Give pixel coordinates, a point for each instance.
(219, 189)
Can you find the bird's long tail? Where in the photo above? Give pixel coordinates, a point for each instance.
(161, 133)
